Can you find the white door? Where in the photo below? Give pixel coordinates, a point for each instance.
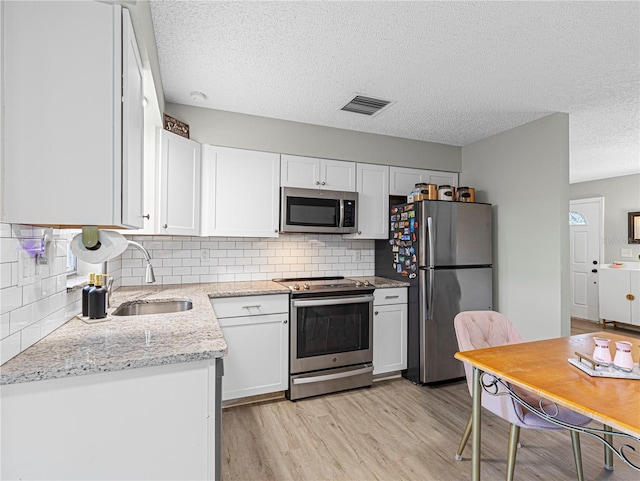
(586, 218)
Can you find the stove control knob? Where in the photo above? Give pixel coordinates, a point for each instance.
(306, 287)
(296, 287)
(358, 284)
(367, 283)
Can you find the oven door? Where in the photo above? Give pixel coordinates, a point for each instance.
(331, 332)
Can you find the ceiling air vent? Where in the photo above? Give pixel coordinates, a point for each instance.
(365, 105)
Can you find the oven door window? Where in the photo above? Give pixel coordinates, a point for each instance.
(315, 212)
(332, 329)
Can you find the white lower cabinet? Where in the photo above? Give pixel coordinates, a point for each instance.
(619, 295)
(149, 423)
(256, 329)
(389, 330)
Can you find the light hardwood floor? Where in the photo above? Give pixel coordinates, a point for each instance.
(392, 431)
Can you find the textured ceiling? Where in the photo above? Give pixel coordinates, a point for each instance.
(456, 71)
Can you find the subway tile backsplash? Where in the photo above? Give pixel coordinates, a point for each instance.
(33, 298)
(190, 260)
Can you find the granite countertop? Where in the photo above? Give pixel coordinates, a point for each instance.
(79, 348)
(120, 342)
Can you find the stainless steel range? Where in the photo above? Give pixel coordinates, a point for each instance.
(331, 335)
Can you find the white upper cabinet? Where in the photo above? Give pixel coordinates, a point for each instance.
(73, 150)
(180, 185)
(312, 173)
(373, 202)
(403, 179)
(240, 192)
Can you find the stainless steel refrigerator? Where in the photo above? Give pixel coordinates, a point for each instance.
(443, 249)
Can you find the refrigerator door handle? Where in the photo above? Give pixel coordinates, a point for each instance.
(430, 296)
(430, 240)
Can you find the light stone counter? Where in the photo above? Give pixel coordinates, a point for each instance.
(79, 348)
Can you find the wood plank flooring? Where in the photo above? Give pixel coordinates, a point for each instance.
(392, 431)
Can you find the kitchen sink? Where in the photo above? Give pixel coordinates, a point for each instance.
(159, 306)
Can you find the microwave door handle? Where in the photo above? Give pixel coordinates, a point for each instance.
(341, 223)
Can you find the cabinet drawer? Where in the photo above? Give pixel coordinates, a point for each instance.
(250, 305)
(394, 295)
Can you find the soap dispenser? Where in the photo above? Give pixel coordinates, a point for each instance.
(98, 300)
(85, 294)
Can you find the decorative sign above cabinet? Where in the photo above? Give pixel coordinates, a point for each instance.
(176, 126)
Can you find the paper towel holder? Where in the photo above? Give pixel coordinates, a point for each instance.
(90, 236)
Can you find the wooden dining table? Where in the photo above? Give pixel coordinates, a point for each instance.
(543, 367)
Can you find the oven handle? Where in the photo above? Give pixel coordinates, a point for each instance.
(330, 302)
(331, 377)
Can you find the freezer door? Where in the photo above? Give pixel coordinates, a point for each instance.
(446, 293)
(455, 234)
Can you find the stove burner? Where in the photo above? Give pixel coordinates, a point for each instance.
(324, 284)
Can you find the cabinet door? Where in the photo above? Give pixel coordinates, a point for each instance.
(635, 292)
(442, 178)
(337, 175)
(302, 172)
(132, 128)
(373, 202)
(258, 357)
(614, 286)
(62, 113)
(403, 179)
(180, 167)
(389, 338)
(240, 192)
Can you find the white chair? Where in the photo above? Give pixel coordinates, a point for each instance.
(481, 329)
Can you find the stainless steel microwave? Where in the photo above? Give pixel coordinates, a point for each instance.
(318, 211)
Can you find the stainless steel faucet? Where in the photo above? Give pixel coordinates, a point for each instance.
(149, 276)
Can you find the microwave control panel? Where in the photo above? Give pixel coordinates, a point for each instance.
(349, 213)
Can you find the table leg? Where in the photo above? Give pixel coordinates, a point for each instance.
(475, 420)
(608, 454)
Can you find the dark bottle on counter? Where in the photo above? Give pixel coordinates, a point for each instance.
(98, 300)
(85, 294)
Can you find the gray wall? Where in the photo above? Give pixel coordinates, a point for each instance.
(621, 196)
(229, 129)
(524, 173)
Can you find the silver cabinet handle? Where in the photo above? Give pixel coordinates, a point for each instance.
(164, 226)
(376, 313)
(323, 183)
(317, 182)
(391, 297)
(257, 306)
(146, 216)
(285, 321)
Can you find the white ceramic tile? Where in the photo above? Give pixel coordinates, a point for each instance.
(192, 262)
(9, 248)
(132, 281)
(190, 280)
(41, 309)
(9, 347)
(191, 245)
(5, 230)
(30, 335)
(49, 286)
(209, 278)
(10, 299)
(32, 292)
(5, 328)
(226, 278)
(6, 275)
(171, 262)
(167, 280)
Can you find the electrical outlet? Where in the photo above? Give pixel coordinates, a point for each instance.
(26, 268)
(204, 257)
(626, 253)
(357, 256)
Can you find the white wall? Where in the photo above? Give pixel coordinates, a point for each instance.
(621, 196)
(229, 129)
(524, 173)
